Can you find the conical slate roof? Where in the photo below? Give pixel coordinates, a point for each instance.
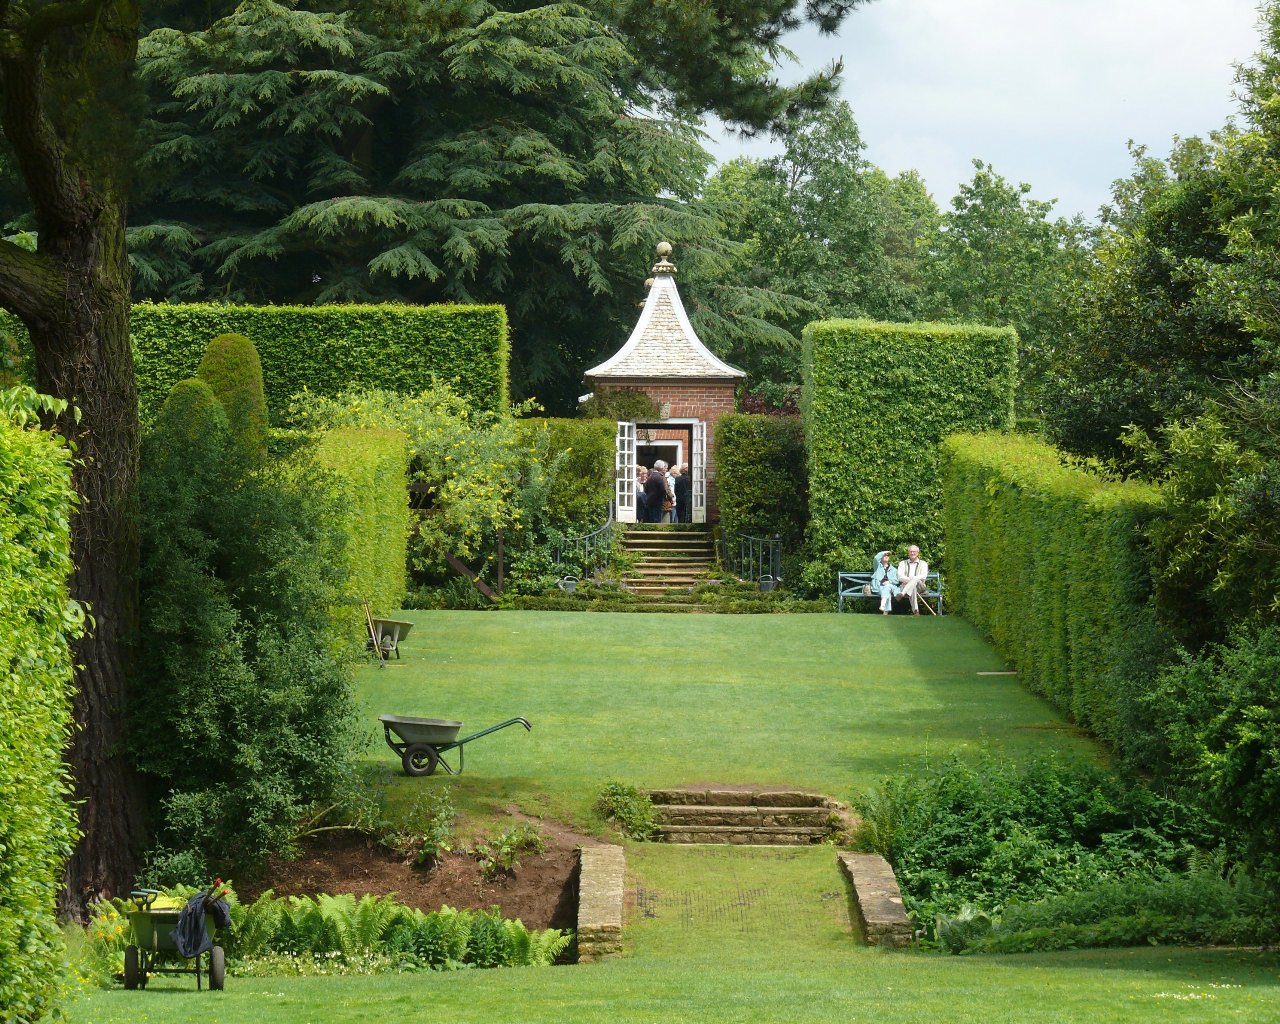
(663, 345)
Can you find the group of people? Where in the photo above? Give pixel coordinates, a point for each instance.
(662, 494)
(907, 581)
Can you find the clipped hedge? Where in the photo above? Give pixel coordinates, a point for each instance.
(580, 453)
(877, 400)
(370, 468)
(232, 369)
(37, 623)
(327, 349)
(1050, 561)
(762, 478)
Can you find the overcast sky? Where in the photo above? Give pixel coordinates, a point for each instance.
(1048, 91)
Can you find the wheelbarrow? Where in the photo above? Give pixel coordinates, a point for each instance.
(422, 742)
(153, 918)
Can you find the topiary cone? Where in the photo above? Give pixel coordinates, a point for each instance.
(233, 371)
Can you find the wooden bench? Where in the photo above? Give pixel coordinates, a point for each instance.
(855, 587)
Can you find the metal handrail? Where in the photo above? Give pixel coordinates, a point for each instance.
(591, 550)
(751, 558)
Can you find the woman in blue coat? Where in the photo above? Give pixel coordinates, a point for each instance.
(884, 581)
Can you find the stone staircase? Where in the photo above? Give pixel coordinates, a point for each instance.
(671, 561)
(764, 817)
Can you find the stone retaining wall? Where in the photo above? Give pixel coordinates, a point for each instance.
(601, 877)
(878, 899)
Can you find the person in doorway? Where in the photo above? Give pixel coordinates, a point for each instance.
(655, 492)
(884, 581)
(642, 503)
(672, 475)
(684, 494)
(913, 575)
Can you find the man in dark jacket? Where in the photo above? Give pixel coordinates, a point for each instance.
(683, 494)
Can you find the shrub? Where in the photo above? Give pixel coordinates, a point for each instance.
(1050, 562)
(242, 715)
(233, 371)
(500, 854)
(988, 833)
(609, 403)
(629, 809)
(37, 624)
(328, 348)
(577, 456)
(370, 485)
(762, 480)
(877, 400)
(1219, 715)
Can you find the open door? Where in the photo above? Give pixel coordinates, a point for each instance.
(624, 472)
(698, 467)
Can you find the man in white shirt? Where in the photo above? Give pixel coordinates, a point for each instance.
(913, 572)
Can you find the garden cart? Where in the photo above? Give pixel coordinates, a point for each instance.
(153, 920)
(421, 742)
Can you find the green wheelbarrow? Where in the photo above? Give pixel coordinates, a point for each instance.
(153, 918)
(420, 742)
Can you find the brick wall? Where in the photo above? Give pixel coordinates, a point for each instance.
(701, 400)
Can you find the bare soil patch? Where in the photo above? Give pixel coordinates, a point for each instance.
(542, 892)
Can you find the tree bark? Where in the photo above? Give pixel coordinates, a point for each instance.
(63, 72)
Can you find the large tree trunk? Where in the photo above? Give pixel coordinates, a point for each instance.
(65, 105)
(84, 355)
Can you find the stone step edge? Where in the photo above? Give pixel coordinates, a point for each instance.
(877, 900)
(741, 798)
(761, 830)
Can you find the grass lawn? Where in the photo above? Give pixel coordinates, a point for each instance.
(720, 934)
(828, 702)
(728, 935)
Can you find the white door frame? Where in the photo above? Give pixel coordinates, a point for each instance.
(624, 472)
(698, 467)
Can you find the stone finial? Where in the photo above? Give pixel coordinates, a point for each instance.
(663, 266)
(648, 283)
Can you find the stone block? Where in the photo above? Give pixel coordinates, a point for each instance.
(876, 894)
(786, 798)
(730, 798)
(601, 881)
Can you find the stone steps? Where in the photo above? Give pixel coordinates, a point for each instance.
(760, 835)
(671, 562)
(760, 817)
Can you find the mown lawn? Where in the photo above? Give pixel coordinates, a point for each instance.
(823, 701)
(720, 934)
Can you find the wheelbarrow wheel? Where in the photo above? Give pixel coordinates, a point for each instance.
(132, 969)
(217, 969)
(420, 759)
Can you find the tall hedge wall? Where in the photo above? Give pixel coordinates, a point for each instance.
(762, 478)
(1051, 563)
(371, 470)
(581, 453)
(37, 623)
(877, 399)
(329, 348)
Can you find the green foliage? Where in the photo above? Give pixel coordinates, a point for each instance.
(999, 259)
(620, 404)
(369, 470)
(878, 400)
(821, 223)
(445, 939)
(232, 369)
(467, 462)
(326, 349)
(984, 835)
(577, 456)
(426, 833)
(1202, 905)
(1218, 715)
(762, 480)
(628, 809)
(1049, 560)
(242, 711)
(22, 405)
(500, 855)
(38, 623)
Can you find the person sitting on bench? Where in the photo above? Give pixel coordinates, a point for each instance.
(913, 575)
(884, 581)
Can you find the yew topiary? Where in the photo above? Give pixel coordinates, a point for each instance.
(232, 369)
